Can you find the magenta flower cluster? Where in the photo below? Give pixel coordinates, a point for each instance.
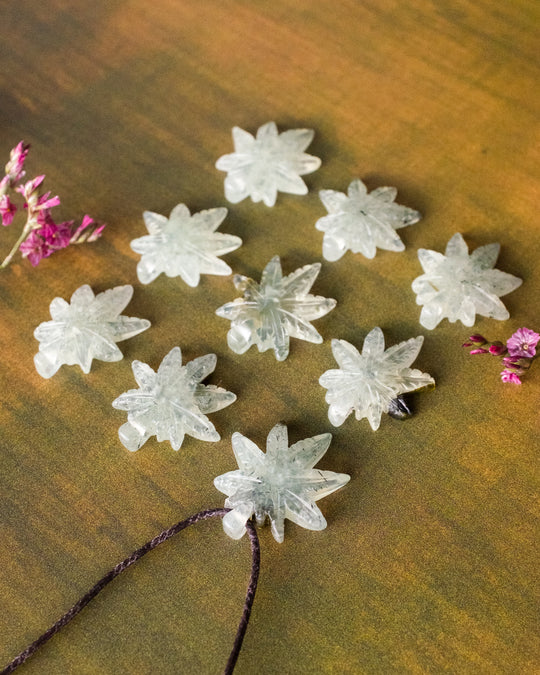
(518, 353)
(41, 235)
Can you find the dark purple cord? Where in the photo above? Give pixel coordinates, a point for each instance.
(137, 555)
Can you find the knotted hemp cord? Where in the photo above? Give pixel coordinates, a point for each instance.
(137, 555)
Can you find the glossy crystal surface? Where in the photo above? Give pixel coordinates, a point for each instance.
(367, 383)
(172, 402)
(278, 484)
(362, 222)
(458, 286)
(84, 329)
(275, 310)
(184, 245)
(268, 163)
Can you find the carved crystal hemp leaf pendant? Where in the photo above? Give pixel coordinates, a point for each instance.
(171, 402)
(362, 222)
(367, 383)
(459, 286)
(87, 328)
(271, 162)
(279, 484)
(184, 245)
(275, 310)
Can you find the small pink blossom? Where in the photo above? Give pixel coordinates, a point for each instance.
(46, 202)
(28, 189)
(523, 343)
(7, 210)
(478, 351)
(34, 248)
(56, 235)
(497, 348)
(510, 376)
(82, 233)
(14, 168)
(477, 339)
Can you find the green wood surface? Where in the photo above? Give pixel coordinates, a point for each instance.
(429, 563)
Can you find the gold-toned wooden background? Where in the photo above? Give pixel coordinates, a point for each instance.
(428, 563)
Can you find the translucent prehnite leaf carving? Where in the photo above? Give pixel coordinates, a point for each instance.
(87, 328)
(184, 245)
(269, 163)
(279, 484)
(274, 310)
(362, 221)
(368, 382)
(458, 286)
(172, 402)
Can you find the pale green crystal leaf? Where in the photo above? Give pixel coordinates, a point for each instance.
(172, 403)
(183, 245)
(301, 280)
(298, 139)
(347, 356)
(277, 485)
(266, 164)
(458, 286)
(144, 375)
(309, 307)
(485, 257)
(243, 140)
(59, 309)
(274, 310)
(84, 297)
(385, 194)
(305, 454)
(210, 398)
(201, 367)
(456, 247)
(155, 222)
(362, 222)
(373, 344)
(333, 202)
(404, 353)
(87, 328)
(247, 453)
(289, 181)
(367, 383)
(272, 273)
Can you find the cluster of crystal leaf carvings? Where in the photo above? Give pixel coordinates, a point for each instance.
(172, 402)
(275, 310)
(459, 286)
(184, 245)
(278, 484)
(367, 383)
(362, 221)
(87, 328)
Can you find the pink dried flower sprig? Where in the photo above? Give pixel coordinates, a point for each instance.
(520, 349)
(41, 235)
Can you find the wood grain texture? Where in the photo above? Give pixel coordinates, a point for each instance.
(429, 560)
